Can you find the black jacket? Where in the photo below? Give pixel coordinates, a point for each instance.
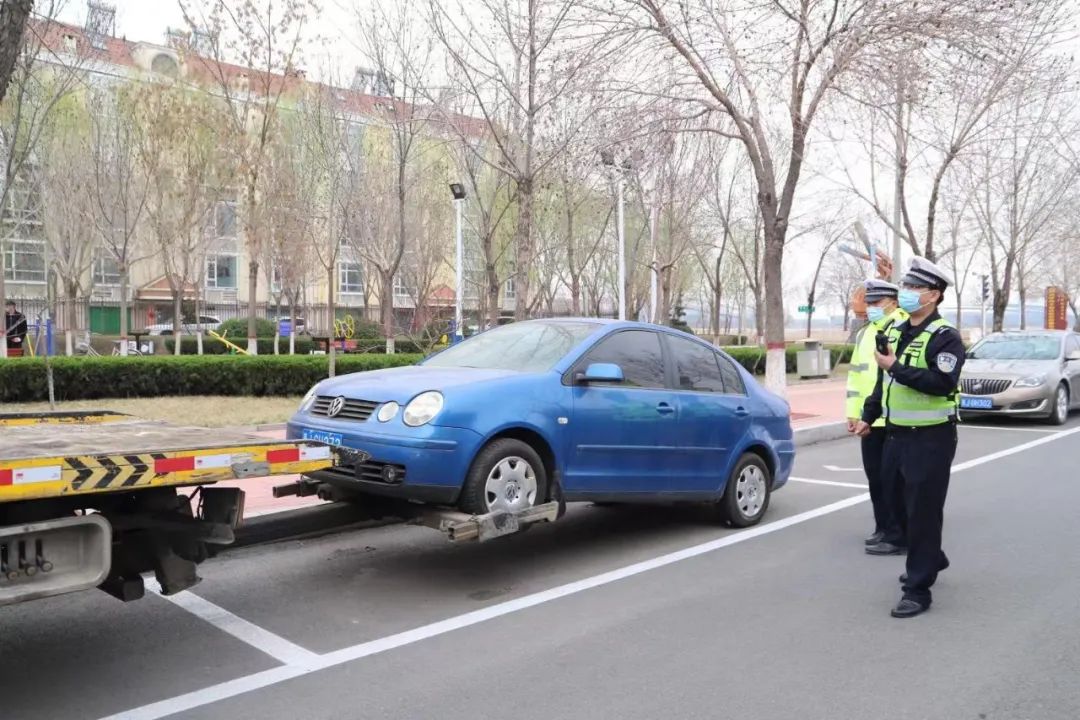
(940, 378)
(15, 329)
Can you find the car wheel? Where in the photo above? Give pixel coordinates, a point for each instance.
(1060, 411)
(746, 497)
(507, 475)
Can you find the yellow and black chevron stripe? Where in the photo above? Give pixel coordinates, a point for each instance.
(100, 472)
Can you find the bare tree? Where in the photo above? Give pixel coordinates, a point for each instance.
(119, 187)
(64, 175)
(250, 52)
(747, 55)
(42, 76)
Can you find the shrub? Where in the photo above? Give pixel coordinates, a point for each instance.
(90, 378)
(237, 329)
(753, 358)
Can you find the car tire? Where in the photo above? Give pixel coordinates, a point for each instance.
(747, 493)
(507, 474)
(1059, 412)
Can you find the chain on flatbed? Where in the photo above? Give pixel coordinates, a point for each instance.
(64, 455)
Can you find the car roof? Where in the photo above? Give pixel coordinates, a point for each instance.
(1031, 333)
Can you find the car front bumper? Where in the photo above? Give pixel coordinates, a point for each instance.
(1035, 402)
(428, 465)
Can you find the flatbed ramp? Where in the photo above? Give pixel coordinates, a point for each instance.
(95, 499)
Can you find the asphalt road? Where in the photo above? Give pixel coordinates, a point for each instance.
(610, 613)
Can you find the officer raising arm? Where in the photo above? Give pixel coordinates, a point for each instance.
(917, 392)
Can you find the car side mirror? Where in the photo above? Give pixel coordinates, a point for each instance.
(1074, 355)
(601, 373)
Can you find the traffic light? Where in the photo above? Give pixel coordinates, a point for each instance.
(985, 288)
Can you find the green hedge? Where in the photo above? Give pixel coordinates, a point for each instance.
(90, 378)
(238, 328)
(753, 358)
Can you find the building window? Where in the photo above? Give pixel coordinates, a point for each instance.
(350, 278)
(275, 279)
(24, 261)
(221, 272)
(509, 290)
(106, 271)
(225, 219)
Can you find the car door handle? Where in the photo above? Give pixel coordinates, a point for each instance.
(664, 409)
(741, 411)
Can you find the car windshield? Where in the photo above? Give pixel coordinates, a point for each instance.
(1027, 347)
(525, 347)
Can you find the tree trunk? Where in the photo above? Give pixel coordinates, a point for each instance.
(775, 357)
(1023, 306)
(523, 245)
(331, 362)
(253, 286)
(492, 297)
(124, 309)
(386, 303)
(178, 318)
(13, 16)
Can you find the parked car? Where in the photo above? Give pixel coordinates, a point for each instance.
(188, 327)
(612, 411)
(1034, 373)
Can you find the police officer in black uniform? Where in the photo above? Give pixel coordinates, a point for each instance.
(916, 392)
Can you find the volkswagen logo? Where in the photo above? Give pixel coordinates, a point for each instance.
(336, 406)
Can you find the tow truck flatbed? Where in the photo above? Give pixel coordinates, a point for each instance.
(60, 455)
(93, 499)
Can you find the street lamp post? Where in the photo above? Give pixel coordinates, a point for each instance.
(607, 156)
(458, 191)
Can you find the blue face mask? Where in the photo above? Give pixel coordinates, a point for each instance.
(909, 301)
(875, 314)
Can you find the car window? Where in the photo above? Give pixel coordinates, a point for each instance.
(695, 366)
(1017, 347)
(1073, 345)
(733, 381)
(637, 352)
(526, 347)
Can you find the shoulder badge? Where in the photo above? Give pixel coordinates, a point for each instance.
(946, 362)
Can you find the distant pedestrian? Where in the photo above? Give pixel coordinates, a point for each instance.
(882, 315)
(14, 329)
(917, 392)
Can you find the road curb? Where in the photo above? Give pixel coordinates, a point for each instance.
(824, 432)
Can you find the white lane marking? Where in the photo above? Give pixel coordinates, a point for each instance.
(257, 681)
(1007, 428)
(259, 638)
(232, 688)
(834, 468)
(828, 482)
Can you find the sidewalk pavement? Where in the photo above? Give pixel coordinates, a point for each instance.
(816, 410)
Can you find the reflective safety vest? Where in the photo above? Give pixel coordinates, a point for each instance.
(906, 407)
(863, 372)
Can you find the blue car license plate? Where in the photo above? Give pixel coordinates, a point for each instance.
(976, 403)
(324, 437)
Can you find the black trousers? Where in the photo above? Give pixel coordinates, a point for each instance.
(873, 452)
(917, 466)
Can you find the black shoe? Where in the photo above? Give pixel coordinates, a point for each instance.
(884, 548)
(944, 566)
(908, 608)
(874, 539)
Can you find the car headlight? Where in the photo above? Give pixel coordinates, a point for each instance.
(1030, 382)
(422, 408)
(308, 399)
(388, 411)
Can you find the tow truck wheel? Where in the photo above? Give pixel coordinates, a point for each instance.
(746, 496)
(507, 475)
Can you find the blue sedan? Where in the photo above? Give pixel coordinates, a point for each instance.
(604, 411)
